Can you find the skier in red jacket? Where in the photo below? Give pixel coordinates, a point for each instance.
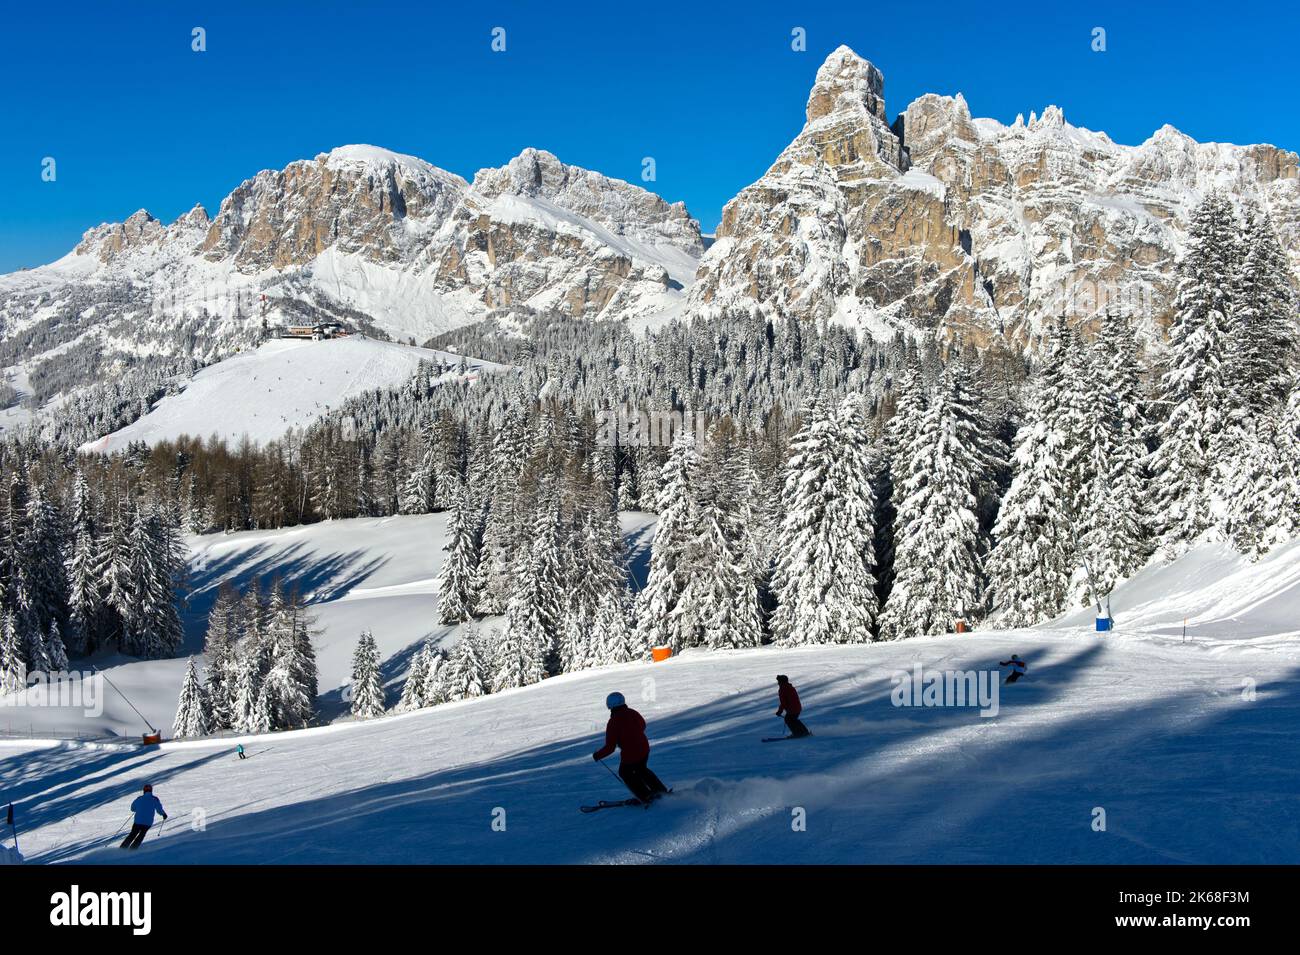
(790, 706)
(626, 731)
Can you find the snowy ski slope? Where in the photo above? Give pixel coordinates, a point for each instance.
(282, 384)
(1190, 748)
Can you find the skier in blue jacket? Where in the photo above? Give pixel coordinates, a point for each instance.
(144, 807)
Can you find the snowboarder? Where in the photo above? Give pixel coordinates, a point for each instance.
(626, 731)
(144, 807)
(790, 706)
(240, 750)
(1017, 668)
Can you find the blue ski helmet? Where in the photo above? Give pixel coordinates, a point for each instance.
(614, 699)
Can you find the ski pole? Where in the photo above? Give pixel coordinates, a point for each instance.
(121, 827)
(160, 828)
(610, 771)
(618, 777)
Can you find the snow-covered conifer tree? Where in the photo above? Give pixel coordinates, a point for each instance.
(367, 683)
(1033, 556)
(937, 543)
(1194, 392)
(458, 584)
(824, 581)
(659, 619)
(191, 708)
(466, 673)
(413, 689)
(55, 649)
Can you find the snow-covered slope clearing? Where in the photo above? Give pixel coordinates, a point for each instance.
(284, 384)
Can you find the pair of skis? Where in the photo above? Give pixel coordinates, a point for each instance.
(615, 803)
(608, 804)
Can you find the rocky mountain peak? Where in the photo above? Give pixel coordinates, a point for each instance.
(111, 239)
(846, 83)
(624, 208)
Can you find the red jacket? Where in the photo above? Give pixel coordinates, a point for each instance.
(626, 730)
(789, 700)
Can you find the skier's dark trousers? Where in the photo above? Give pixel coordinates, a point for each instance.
(626, 732)
(1017, 665)
(144, 807)
(790, 706)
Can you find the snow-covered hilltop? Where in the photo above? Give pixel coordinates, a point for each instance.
(282, 385)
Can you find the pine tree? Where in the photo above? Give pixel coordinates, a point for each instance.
(1261, 513)
(434, 690)
(55, 649)
(504, 516)
(719, 607)
(458, 584)
(618, 641)
(291, 678)
(660, 621)
(1194, 392)
(466, 674)
(514, 661)
(13, 671)
(85, 596)
(219, 650)
(1262, 350)
(38, 656)
(824, 581)
(191, 709)
(247, 691)
(1033, 558)
(938, 538)
(1115, 523)
(367, 685)
(262, 718)
(413, 689)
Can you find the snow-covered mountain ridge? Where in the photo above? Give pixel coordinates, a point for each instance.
(936, 223)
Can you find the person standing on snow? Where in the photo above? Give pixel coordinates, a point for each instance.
(626, 732)
(790, 706)
(1017, 668)
(240, 750)
(144, 807)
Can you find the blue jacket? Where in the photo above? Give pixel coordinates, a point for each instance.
(145, 805)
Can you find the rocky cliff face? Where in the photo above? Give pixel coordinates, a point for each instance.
(358, 199)
(967, 228)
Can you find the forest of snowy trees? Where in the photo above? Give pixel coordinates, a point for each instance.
(260, 666)
(842, 490)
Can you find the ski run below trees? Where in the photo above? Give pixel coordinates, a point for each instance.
(1149, 725)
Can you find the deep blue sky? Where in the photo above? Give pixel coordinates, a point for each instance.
(135, 119)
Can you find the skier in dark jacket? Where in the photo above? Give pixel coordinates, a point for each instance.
(626, 732)
(1017, 668)
(790, 706)
(144, 807)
